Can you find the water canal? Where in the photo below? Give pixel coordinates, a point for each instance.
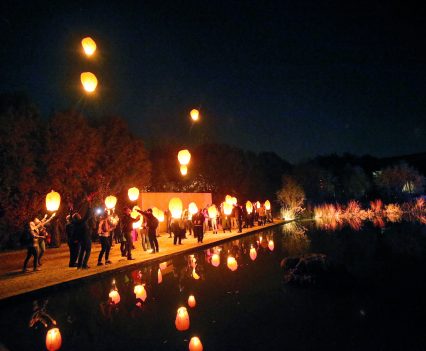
(371, 296)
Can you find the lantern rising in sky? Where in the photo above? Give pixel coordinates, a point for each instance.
(53, 201)
(89, 81)
(133, 194)
(175, 207)
(195, 114)
(89, 46)
(184, 156)
(53, 339)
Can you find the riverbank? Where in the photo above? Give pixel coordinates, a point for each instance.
(55, 270)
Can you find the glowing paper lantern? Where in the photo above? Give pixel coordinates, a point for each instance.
(258, 204)
(138, 224)
(195, 274)
(271, 245)
(89, 81)
(195, 114)
(53, 200)
(234, 201)
(110, 202)
(227, 208)
(156, 212)
(253, 253)
(89, 46)
(175, 207)
(184, 157)
(267, 205)
(191, 301)
(195, 344)
(183, 170)
(133, 194)
(159, 276)
(114, 297)
(212, 210)
(53, 339)
(215, 260)
(163, 265)
(182, 319)
(232, 263)
(140, 292)
(249, 207)
(160, 216)
(192, 208)
(228, 199)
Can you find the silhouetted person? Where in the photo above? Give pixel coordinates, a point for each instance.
(126, 229)
(82, 232)
(152, 224)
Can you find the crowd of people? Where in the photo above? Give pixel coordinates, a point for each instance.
(124, 231)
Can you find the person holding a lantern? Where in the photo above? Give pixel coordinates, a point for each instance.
(82, 232)
(126, 229)
(42, 234)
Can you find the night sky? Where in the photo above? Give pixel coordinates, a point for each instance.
(300, 78)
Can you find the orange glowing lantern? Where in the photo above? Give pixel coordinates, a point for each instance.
(53, 339)
(249, 207)
(195, 274)
(195, 344)
(232, 263)
(182, 319)
(133, 194)
(156, 212)
(89, 46)
(110, 202)
(159, 276)
(215, 260)
(89, 81)
(258, 204)
(192, 208)
(191, 301)
(53, 201)
(183, 170)
(234, 201)
(163, 265)
(271, 245)
(195, 114)
(212, 210)
(175, 207)
(267, 205)
(253, 253)
(184, 157)
(140, 292)
(114, 297)
(160, 216)
(228, 199)
(227, 208)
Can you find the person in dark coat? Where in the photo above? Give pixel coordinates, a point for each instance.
(152, 224)
(72, 242)
(126, 229)
(82, 232)
(198, 220)
(238, 211)
(178, 230)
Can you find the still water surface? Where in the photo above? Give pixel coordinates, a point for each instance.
(375, 302)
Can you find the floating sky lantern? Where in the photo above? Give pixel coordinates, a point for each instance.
(195, 114)
(114, 297)
(140, 292)
(271, 245)
(184, 156)
(249, 207)
(182, 319)
(267, 205)
(227, 208)
(89, 46)
(183, 170)
(195, 344)
(133, 194)
(253, 253)
(192, 208)
(110, 202)
(215, 260)
(53, 339)
(191, 301)
(89, 81)
(232, 263)
(212, 210)
(53, 201)
(159, 276)
(175, 207)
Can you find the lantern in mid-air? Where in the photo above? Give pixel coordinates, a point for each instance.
(195, 114)
(215, 260)
(191, 301)
(184, 157)
(195, 344)
(212, 210)
(192, 208)
(89, 46)
(114, 297)
(53, 339)
(140, 292)
(271, 245)
(160, 216)
(249, 207)
(133, 194)
(175, 207)
(227, 208)
(182, 319)
(267, 205)
(53, 201)
(258, 204)
(89, 81)
(183, 170)
(110, 202)
(253, 253)
(228, 199)
(232, 263)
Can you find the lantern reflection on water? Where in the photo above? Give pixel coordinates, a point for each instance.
(194, 274)
(159, 276)
(215, 260)
(114, 297)
(140, 292)
(253, 253)
(53, 339)
(183, 170)
(182, 319)
(232, 263)
(191, 301)
(195, 344)
(163, 265)
(271, 245)
(184, 156)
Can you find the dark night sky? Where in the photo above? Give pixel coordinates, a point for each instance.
(300, 78)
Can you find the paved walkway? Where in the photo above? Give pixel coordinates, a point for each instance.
(55, 268)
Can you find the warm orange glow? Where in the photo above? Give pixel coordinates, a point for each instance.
(160, 216)
(191, 301)
(159, 276)
(212, 210)
(234, 201)
(258, 204)
(271, 245)
(195, 114)
(110, 202)
(53, 339)
(140, 292)
(192, 208)
(114, 297)
(163, 265)
(89, 81)
(267, 205)
(53, 201)
(182, 319)
(232, 263)
(195, 274)
(175, 207)
(228, 199)
(195, 344)
(184, 157)
(249, 207)
(227, 208)
(89, 46)
(133, 194)
(253, 253)
(183, 170)
(215, 260)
